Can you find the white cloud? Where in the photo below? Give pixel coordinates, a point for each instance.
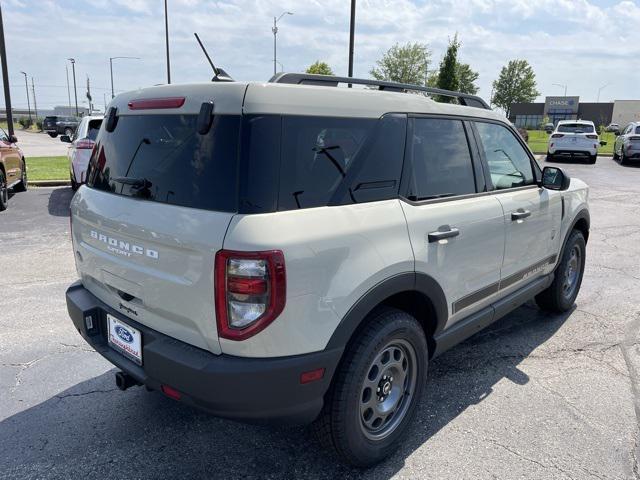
(577, 42)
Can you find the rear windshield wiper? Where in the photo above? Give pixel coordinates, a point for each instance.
(134, 182)
(416, 198)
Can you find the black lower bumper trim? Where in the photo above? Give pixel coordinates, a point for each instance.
(251, 389)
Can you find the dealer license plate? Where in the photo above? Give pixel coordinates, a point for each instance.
(125, 339)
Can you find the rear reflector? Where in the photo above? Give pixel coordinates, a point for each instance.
(557, 135)
(156, 103)
(85, 144)
(312, 376)
(171, 392)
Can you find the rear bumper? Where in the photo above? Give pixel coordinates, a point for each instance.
(571, 153)
(252, 389)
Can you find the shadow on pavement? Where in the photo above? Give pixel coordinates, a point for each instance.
(93, 430)
(59, 202)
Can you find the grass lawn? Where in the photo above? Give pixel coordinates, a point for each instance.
(538, 141)
(48, 168)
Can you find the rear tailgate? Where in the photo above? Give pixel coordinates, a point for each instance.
(152, 262)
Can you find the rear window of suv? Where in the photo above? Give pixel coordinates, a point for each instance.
(162, 158)
(575, 128)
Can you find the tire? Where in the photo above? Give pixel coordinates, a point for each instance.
(550, 157)
(74, 185)
(623, 159)
(4, 192)
(52, 134)
(560, 296)
(615, 155)
(391, 345)
(23, 185)
(592, 159)
(68, 132)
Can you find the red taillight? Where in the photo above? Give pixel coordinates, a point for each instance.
(312, 376)
(156, 103)
(557, 135)
(593, 137)
(85, 144)
(250, 291)
(170, 392)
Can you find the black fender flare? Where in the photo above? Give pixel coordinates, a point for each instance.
(581, 215)
(402, 283)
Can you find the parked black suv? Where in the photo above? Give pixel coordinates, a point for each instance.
(54, 125)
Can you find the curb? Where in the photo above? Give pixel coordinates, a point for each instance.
(49, 183)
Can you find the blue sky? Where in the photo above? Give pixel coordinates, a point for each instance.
(584, 44)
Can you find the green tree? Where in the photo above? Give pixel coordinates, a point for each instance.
(320, 68)
(448, 74)
(516, 84)
(404, 63)
(466, 78)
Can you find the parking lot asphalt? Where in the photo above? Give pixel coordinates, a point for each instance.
(535, 396)
(40, 144)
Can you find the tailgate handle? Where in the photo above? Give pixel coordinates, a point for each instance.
(127, 297)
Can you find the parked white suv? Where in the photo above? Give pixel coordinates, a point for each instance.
(574, 139)
(298, 252)
(82, 142)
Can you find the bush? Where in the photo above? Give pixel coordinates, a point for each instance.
(39, 124)
(25, 122)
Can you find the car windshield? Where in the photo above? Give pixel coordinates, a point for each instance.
(576, 128)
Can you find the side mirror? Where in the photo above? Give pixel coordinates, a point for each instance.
(553, 178)
(602, 143)
(13, 139)
(65, 139)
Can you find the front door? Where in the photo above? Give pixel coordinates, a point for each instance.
(457, 234)
(532, 215)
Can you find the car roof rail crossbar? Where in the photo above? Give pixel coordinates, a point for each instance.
(333, 81)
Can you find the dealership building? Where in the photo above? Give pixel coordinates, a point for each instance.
(532, 115)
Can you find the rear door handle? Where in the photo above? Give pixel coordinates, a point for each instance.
(443, 232)
(520, 214)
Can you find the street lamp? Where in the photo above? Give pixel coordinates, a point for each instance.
(274, 29)
(562, 86)
(75, 90)
(26, 86)
(111, 59)
(600, 90)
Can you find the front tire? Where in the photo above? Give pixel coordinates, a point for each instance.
(560, 296)
(376, 389)
(52, 134)
(4, 192)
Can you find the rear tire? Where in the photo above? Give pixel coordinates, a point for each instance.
(74, 185)
(52, 135)
(22, 186)
(592, 159)
(4, 192)
(623, 159)
(376, 389)
(560, 296)
(615, 155)
(550, 157)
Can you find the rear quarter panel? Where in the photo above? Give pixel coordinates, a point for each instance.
(333, 256)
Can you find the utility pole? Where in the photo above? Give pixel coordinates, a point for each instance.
(5, 77)
(26, 86)
(274, 29)
(89, 96)
(75, 88)
(352, 31)
(35, 105)
(66, 67)
(166, 35)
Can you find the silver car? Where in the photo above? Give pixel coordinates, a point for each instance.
(627, 146)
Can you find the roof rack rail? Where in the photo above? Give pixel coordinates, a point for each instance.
(333, 81)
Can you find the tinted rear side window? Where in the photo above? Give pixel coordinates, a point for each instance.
(94, 128)
(441, 163)
(162, 158)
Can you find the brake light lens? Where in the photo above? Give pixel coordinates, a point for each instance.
(557, 135)
(156, 103)
(593, 137)
(250, 291)
(85, 144)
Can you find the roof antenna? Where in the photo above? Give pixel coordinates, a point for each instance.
(219, 74)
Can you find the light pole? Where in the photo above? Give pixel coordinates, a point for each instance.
(75, 90)
(66, 69)
(274, 29)
(562, 86)
(111, 59)
(26, 86)
(600, 90)
(166, 38)
(5, 77)
(35, 105)
(352, 32)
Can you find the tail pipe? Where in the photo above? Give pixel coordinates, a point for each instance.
(124, 381)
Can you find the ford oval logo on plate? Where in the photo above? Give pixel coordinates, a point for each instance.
(124, 334)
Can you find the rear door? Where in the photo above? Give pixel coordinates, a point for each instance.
(146, 229)
(532, 214)
(456, 231)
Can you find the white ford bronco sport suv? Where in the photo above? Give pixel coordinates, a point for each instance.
(297, 251)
